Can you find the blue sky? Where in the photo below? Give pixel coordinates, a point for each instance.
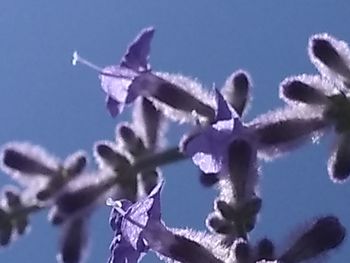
(48, 102)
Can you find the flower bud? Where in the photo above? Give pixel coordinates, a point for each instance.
(73, 241)
(131, 141)
(242, 251)
(236, 90)
(220, 225)
(325, 234)
(5, 228)
(265, 250)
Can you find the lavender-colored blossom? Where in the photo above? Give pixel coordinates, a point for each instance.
(130, 221)
(209, 147)
(133, 77)
(137, 228)
(118, 81)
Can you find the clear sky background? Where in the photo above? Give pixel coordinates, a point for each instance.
(48, 102)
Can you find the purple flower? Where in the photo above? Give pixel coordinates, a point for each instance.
(209, 146)
(132, 223)
(133, 77)
(138, 228)
(118, 81)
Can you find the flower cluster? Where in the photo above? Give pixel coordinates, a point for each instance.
(227, 150)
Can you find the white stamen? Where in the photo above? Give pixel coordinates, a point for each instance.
(78, 59)
(116, 205)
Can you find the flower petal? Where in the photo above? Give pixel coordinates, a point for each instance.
(154, 211)
(137, 55)
(143, 211)
(115, 82)
(115, 219)
(122, 251)
(206, 152)
(223, 109)
(114, 107)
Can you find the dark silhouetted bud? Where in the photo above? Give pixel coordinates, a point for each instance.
(73, 167)
(186, 250)
(73, 241)
(339, 162)
(132, 142)
(236, 91)
(325, 49)
(180, 99)
(25, 164)
(327, 233)
(227, 211)
(242, 251)
(5, 228)
(75, 164)
(148, 180)
(13, 199)
(14, 203)
(288, 130)
(265, 250)
(73, 202)
(300, 91)
(242, 168)
(253, 206)
(110, 157)
(220, 225)
(276, 137)
(152, 124)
